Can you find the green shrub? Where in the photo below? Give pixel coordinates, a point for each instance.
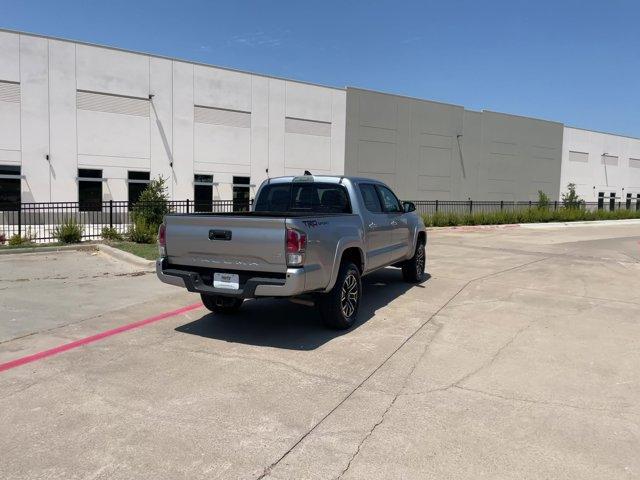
(571, 198)
(526, 215)
(26, 239)
(141, 232)
(19, 240)
(69, 231)
(543, 199)
(110, 233)
(152, 205)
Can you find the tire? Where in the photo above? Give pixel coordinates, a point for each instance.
(337, 310)
(221, 304)
(413, 269)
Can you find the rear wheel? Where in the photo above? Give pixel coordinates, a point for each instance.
(221, 304)
(339, 307)
(413, 269)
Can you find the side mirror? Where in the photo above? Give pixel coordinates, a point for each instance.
(409, 207)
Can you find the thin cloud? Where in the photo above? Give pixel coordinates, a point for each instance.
(414, 39)
(259, 39)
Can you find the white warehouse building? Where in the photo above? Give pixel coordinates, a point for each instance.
(78, 119)
(89, 124)
(604, 167)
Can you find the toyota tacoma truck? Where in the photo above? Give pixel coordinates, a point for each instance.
(309, 238)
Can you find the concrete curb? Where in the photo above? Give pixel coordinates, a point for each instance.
(108, 250)
(542, 225)
(56, 248)
(126, 257)
(593, 223)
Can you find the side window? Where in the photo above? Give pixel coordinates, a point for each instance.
(370, 198)
(390, 202)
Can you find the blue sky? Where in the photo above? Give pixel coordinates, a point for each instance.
(573, 61)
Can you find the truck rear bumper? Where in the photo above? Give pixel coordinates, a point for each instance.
(292, 284)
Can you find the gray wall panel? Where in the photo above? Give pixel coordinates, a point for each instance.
(428, 150)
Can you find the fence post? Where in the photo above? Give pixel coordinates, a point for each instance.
(187, 205)
(470, 206)
(111, 214)
(501, 205)
(555, 205)
(20, 219)
(529, 204)
(436, 206)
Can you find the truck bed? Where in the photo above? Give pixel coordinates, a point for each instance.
(258, 214)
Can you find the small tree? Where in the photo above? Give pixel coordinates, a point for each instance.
(152, 205)
(571, 198)
(543, 199)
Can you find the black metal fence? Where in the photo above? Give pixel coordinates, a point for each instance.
(38, 221)
(430, 207)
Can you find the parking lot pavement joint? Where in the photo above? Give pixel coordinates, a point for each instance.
(267, 470)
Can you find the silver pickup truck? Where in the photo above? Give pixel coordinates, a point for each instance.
(310, 238)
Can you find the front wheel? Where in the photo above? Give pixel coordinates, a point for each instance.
(339, 307)
(221, 304)
(413, 269)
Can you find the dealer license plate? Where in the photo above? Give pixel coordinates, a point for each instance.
(226, 280)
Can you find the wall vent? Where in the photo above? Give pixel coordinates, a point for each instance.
(104, 102)
(307, 127)
(610, 160)
(9, 92)
(634, 162)
(582, 157)
(221, 116)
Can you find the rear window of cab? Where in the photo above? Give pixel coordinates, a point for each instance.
(303, 197)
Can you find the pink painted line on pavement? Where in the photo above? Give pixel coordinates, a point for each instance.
(94, 338)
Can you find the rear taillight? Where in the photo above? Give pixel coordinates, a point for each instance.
(296, 245)
(162, 240)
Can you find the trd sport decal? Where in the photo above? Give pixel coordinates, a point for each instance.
(314, 223)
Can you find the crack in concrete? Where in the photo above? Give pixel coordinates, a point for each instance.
(493, 357)
(268, 469)
(60, 277)
(391, 404)
(270, 361)
(516, 251)
(542, 402)
(453, 385)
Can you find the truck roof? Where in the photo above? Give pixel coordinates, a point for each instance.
(321, 178)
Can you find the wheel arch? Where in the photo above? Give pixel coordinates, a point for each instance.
(351, 250)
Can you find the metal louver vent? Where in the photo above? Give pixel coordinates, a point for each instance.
(221, 116)
(578, 157)
(103, 102)
(9, 92)
(307, 127)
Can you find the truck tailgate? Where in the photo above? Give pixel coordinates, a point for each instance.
(227, 242)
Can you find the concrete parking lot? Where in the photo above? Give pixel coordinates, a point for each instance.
(518, 358)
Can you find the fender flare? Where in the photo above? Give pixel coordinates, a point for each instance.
(414, 241)
(344, 244)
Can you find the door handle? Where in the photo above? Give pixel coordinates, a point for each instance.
(372, 226)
